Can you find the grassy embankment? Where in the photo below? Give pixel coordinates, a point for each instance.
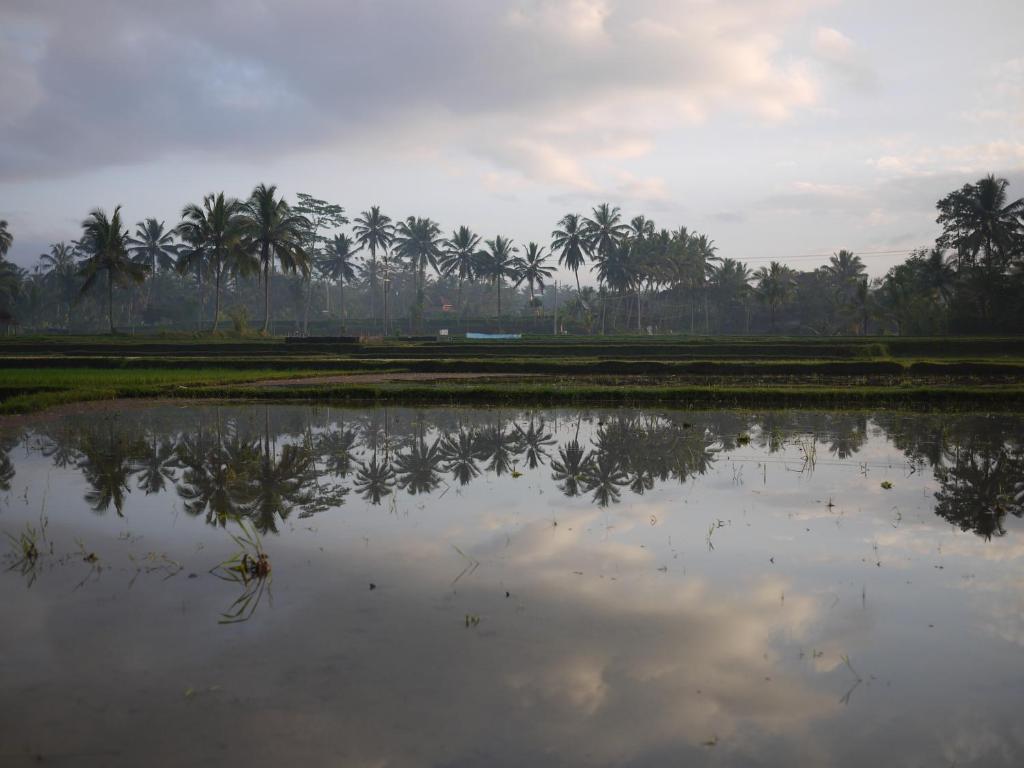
(946, 373)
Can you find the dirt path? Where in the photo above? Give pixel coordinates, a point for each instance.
(383, 377)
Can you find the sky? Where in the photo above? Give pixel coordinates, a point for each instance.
(783, 129)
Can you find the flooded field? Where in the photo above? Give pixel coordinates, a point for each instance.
(453, 587)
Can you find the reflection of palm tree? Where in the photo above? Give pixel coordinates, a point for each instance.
(106, 465)
(375, 480)
(417, 470)
(499, 448)
(460, 452)
(569, 468)
(336, 449)
(155, 468)
(212, 481)
(534, 440)
(276, 485)
(605, 477)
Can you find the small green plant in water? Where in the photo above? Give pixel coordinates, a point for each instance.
(886, 485)
(743, 439)
(249, 567)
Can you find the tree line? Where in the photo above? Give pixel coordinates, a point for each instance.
(266, 464)
(229, 260)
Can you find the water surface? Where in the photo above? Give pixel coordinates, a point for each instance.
(512, 587)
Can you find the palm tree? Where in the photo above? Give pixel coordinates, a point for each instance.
(846, 272)
(105, 241)
(417, 470)
(604, 229)
(339, 264)
(569, 240)
(641, 227)
(59, 268)
(775, 286)
(153, 246)
(702, 251)
(730, 282)
(6, 238)
(271, 231)
(979, 218)
(213, 234)
(373, 231)
(460, 453)
(419, 242)
(532, 269)
(461, 256)
(500, 262)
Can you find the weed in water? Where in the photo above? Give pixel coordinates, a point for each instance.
(248, 566)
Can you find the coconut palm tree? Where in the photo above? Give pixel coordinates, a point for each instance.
(571, 467)
(153, 246)
(339, 264)
(461, 257)
(980, 218)
(271, 231)
(213, 242)
(500, 262)
(532, 269)
(775, 286)
(105, 243)
(59, 270)
(6, 238)
(374, 231)
(730, 284)
(570, 242)
(460, 453)
(604, 229)
(418, 241)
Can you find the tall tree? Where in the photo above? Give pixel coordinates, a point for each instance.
(272, 231)
(321, 215)
(339, 264)
(979, 218)
(461, 257)
(418, 241)
(533, 270)
(775, 286)
(59, 268)
(153, 246)
(570, 242)
(374, 231)
(604, 229)
(500, 262)
(213, 241)
(6, 238)
(105, 243)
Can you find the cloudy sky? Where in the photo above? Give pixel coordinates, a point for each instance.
(782, 128)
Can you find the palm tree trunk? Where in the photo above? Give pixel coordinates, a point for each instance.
(341, 303)
(216, 301)
(110, 300)
(305, 309)
(266, 290)
(499, 303)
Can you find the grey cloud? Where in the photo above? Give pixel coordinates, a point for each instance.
(112, 81)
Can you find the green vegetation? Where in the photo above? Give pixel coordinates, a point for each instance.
(261, 253)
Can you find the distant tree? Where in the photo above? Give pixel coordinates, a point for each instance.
(6, 238)
(500, 262)
(775, 285)
(153, 246)
(570, 242)
(339, 264)
(729, 283)
(105, 242)
(604, 229)
(212, 234)
(272, 231)
(979, 218)
(321, 215)
(59, 268)
(418, 241)
(533, 270)
(461, 256)
(374, 231)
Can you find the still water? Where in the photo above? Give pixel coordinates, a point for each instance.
(456, 587)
